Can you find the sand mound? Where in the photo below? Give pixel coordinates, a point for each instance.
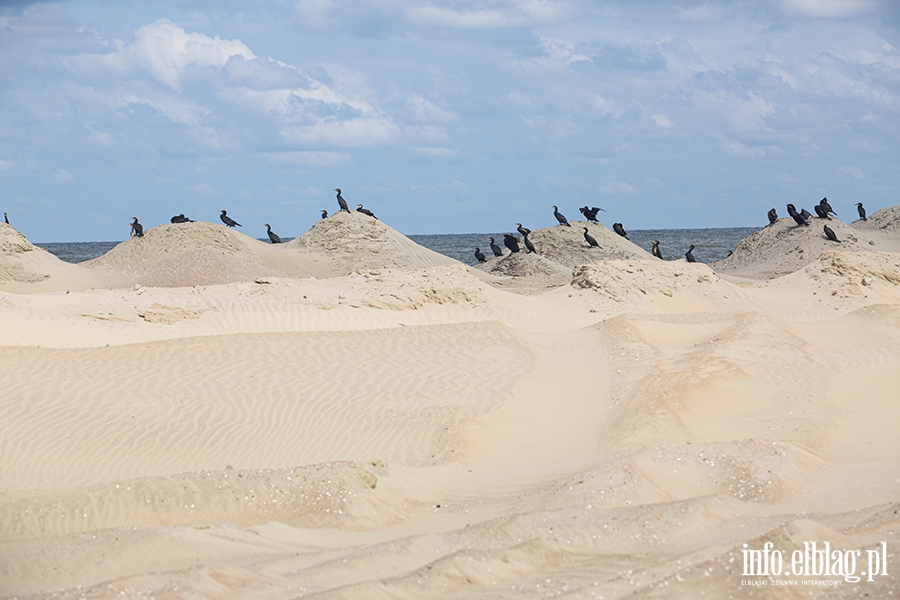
(785, 247)
(352, 242)
(887, 219)
(25, 268)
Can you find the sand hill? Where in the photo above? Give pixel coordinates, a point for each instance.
(887, 219)
(785, 247)
(25, 268)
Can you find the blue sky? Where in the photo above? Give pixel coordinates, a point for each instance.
(443, 116)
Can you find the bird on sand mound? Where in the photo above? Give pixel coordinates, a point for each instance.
(798, 218)
(689, 255)
(5, 219)
(560, 217)
(591, 213)
(829, 233)
(324, 214)
(522, 230)
(273, 237)
(365, 211)
(821, 212)
(510, 241)
(137, 230)
(528, 243)
(341, 202)
(859, 209)
(480, 255)
(773, 216)
(827, 207)
(495, 248)
(617, 227)
(229, 222)
(654, 248)
(180, 219)
(590, 239)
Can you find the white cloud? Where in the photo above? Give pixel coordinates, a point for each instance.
(608, 107)
(435, 153)
(562, 51)
(309, 159)
(351, 133)
(492, 15)
(425, 111)
(662, 121)
(63, 176)
(737, 149)
(616, 187)
(6, 165)
(830, 9)
(855, 172)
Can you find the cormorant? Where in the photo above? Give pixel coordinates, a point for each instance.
(228, 220)
(689, 255)
(528, 243)
(590, 239)
(341, 202)
(729, 254)
(798, 218)
(617, 227)
(824, 204)
(773, 216)
(821, 212)
(180, 219)
(560, 217)
(324, 214)
(654, 248)
(365, 211)
(859, 209)
(495, 248)
(806, 215)
(479, 255)
(5, 218)
(137, 230)
(273, 237)
(523, 230)
(510, 241)
(591, 213)
(830, 235)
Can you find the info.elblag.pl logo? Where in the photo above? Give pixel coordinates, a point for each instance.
(816, 560)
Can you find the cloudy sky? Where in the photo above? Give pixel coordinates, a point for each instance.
(443, 116)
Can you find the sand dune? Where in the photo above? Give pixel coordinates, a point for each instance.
(408, 427)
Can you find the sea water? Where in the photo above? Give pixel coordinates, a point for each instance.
(709, 244)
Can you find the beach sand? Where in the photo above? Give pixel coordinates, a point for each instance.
(198, 414)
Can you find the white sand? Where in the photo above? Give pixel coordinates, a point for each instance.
(408, 428)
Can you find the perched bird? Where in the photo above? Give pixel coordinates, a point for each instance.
(180, 219)
(773, 216)
(829, 233)
(341, 202)
(824, 204)
(510, 241)
(560, 217)
(689, 255)
(654, 248)
(617, 227)
(523, 230)
(806, 215)
(495, 248)
(798, 218)
(365, 211)
(479, 255)
(228, 220)
(821, 212)
(5, 219)
(591, 213)
(137, 230)
(859, 209)
(273, 237)
(590, 239)
(729, 254)
(324, 214)
(528, 243)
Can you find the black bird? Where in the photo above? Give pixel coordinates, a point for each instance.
(523, 230)
(729, 254)
(689, 255)
(228, 220)
(617, 227)
(324, 214)
(654, 248)
(806, 215)
(273, 237)
(479, 255)
(821, 212)
(859, 209)
(824, 204)
(591, 213)
(528, 243)
(495, 248)
(590, 239)
(341, 202)
(560, 217)
(180, 219)
(137, 230)
(5, 218)
(798, 218)
(773, 216)
(365, 211)
(830, 235)
(510, 241)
